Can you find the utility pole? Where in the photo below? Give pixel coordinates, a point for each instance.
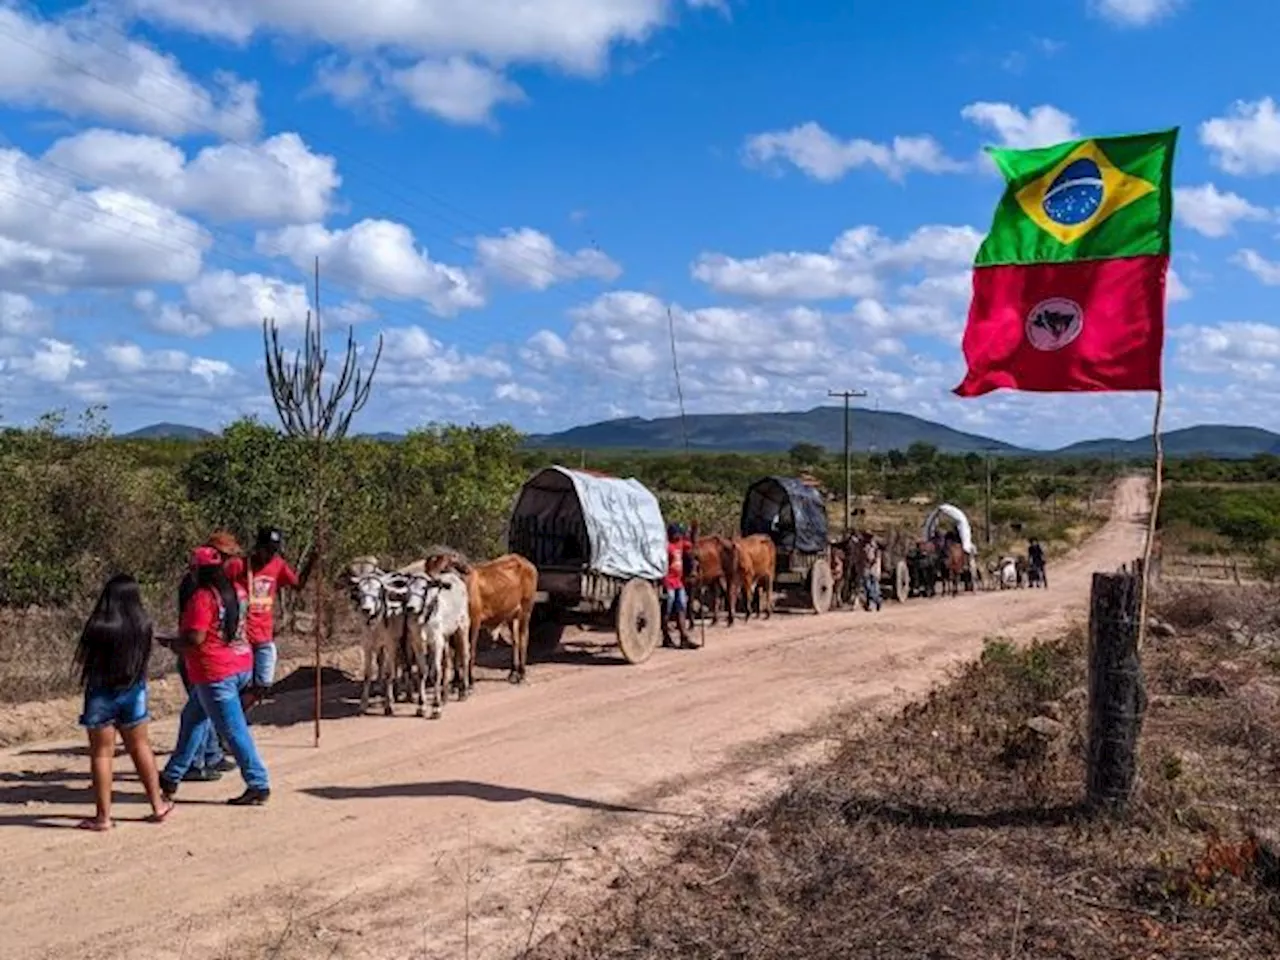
(987, 451)
(848, 454)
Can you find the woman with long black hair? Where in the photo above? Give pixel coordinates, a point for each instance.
(114, 654)
(219, 664)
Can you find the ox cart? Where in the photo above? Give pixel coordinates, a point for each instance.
(600, 547)
(927, 556)
(791, 513)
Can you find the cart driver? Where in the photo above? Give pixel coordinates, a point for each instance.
(675, 598)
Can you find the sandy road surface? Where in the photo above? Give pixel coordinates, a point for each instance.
(403, 837)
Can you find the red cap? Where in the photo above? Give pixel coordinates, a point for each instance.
(205, 556)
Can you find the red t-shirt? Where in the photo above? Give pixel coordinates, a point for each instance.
(674, 579)
(214, 659)
(260, 627)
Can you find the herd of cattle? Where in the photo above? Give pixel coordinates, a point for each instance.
(423, 621)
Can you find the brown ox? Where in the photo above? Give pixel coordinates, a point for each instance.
(955, 563)
(757, 560)
(715, 565)
(500, 594)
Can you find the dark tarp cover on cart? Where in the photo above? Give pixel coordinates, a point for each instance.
(788, 510)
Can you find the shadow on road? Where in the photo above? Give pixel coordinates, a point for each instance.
(490, 793)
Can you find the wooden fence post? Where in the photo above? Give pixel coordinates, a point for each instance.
(1117, 694)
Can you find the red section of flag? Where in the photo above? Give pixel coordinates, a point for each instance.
(1083, 325)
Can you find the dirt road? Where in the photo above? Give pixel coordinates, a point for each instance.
(402, 837)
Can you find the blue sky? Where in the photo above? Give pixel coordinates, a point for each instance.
(514, 195)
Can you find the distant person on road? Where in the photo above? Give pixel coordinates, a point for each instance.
(114, 654)
(1035, 560)
(267, 572)
(219, 662)
(871, 570)
(675, 596)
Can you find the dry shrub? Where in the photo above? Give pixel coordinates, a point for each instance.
(926, 838)
(1203, 607)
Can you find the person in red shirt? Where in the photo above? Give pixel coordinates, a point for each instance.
(219, 664)
(675, 596)
(267, 572)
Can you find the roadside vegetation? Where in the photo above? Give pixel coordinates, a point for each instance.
(953, 830)
(80, 504)
(1227, 510)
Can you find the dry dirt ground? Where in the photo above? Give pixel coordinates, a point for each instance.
(476, 834)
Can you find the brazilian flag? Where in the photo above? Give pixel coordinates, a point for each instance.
(1069, 284)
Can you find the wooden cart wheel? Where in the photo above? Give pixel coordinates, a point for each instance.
(901, 582)
(639, 621)
(820, 586)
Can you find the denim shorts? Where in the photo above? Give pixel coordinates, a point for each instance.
(676, 601)
(121, 709)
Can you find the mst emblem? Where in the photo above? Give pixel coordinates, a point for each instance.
(1054, 323)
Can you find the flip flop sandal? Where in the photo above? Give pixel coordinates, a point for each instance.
(95, 825)
(163, 815)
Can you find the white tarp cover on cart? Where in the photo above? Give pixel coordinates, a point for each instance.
(566, 517)
(961, 522)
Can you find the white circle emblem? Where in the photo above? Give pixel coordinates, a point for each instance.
(1054, 323)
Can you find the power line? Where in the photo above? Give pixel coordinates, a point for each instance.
(848, 460)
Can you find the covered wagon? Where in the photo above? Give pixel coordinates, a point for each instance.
(792, 514)
(600, 546)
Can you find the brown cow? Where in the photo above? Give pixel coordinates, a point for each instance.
(954, 565)
(500, 594)
(715, 565)
(757, 560)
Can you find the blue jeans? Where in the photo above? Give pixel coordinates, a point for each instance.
(122, 709)
(264, 664)
(216, 706)
(871, 588)
(210, 753)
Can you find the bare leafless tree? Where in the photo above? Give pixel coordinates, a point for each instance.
(318, 407)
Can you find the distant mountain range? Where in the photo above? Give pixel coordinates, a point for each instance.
(824, 427)
(168, 431)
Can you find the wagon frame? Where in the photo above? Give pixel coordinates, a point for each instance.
(793, 515)
(585, 580)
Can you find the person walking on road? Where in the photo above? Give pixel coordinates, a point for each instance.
(871, 571)
(267, 572)
(219, 662)
(1035, 560)
(114, 655)
(675, 596)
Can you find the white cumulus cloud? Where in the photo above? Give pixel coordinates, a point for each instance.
(1213, 212)
(53, 235)
(855, 265)
(1042, 126)
(81, 67)
(531, 259)
(276, 181)
(380, 258)
(1246, 140)
(827, 158)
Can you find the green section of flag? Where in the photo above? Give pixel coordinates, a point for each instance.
(1126, 181)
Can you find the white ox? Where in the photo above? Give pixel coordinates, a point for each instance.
(380, 599)
(438, 604)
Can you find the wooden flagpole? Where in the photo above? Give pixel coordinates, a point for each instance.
(1157, 444)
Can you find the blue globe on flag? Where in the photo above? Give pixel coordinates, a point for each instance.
(1075, 194)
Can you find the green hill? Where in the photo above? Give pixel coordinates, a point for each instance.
(768, 432)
